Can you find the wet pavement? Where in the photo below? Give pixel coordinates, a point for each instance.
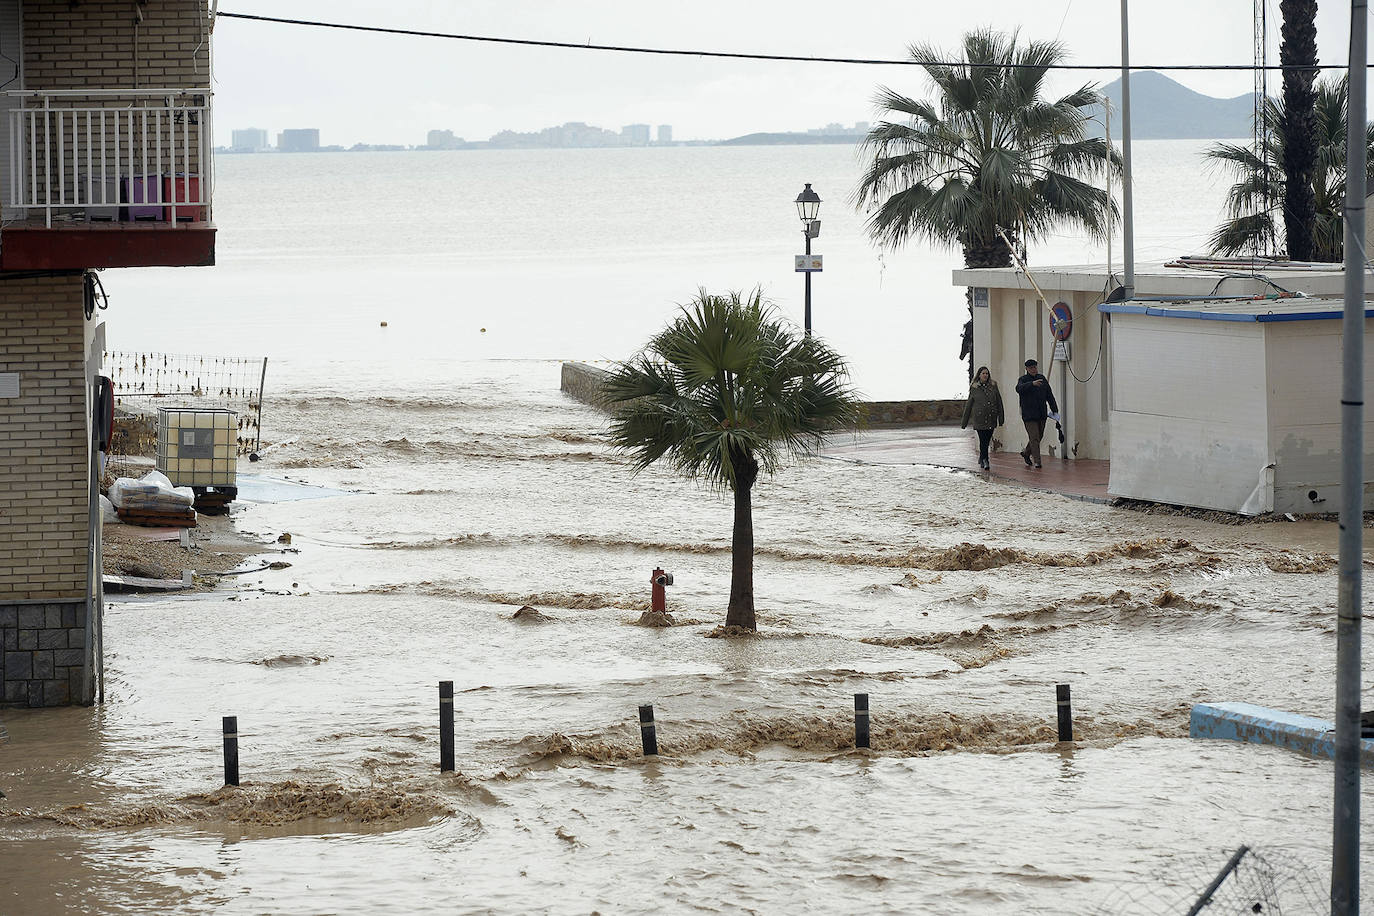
(952, 447)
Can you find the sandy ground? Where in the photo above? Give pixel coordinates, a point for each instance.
(216, 548)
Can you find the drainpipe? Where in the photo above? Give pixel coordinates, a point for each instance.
(94, 579)
(1127, 212)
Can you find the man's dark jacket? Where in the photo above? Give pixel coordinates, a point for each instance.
(1034, 397)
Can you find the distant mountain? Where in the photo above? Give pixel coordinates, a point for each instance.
(1162, 109)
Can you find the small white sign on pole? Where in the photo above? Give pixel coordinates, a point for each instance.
(1061, 350)
(808, 263)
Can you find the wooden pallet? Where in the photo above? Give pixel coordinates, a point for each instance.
(151, 519)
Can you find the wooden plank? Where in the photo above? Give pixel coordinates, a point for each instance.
(140, 582)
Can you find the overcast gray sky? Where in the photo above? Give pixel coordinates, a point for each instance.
(374, 88)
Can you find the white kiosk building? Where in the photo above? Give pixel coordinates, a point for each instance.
(1216, 386)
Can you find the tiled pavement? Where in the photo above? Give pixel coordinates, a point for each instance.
(952, 447)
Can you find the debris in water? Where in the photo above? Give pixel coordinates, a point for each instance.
(530, 615)
(730, 632)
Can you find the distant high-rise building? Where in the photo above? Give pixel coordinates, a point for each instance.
(249, 140)
(665, 133)
(442, 139)
(861, 127)
(635, 134)
(299, 140)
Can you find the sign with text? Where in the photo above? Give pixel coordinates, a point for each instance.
(980, 297)
(808, 263)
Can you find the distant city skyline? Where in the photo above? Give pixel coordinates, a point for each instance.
(568, 135)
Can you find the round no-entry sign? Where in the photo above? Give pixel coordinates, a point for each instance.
(1061, 321)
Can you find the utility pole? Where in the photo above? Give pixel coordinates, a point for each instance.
(1345, 815)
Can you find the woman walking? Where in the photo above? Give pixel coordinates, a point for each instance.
(984, 410)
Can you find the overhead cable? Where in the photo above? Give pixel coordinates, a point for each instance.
(739, 55)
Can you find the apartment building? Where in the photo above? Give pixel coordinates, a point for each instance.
(105, 162)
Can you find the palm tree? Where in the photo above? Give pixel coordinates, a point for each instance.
(1255, 203)
(989, 152)
(725, 391)
(1298, 55)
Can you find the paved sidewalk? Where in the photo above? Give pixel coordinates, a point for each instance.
(952, 447)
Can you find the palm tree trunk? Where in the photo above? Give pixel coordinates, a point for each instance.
(993, 253)
(740, 612)
(1299, 49)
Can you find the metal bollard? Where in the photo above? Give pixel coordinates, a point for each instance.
(446, 726)
(231, 750)
(1061, 696)
(861, 738)
(647, 733)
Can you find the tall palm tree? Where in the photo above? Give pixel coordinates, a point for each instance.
(725, 391)
(990, 151)
(1255, 205)
(1298, 55)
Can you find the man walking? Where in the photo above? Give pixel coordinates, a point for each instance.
(1037, 400)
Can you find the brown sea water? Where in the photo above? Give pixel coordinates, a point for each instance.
(956, 603)
(475, 488)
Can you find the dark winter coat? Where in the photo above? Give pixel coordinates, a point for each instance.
(1034, 398)
(984, 407)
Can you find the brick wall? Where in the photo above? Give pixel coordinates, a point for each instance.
(96, 43)
(43, 441)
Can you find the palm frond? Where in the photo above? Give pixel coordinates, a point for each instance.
(727, 379)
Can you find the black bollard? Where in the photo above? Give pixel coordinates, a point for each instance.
(446, 726)
(1061, 696)
(861, 720)
(647, 732)
(231, 750)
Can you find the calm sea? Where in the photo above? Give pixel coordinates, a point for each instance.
(578, 254)
(474, 487)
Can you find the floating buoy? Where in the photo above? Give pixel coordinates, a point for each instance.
(383, 324)
(484, 330)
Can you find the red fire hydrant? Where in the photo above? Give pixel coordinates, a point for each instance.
(660, 580)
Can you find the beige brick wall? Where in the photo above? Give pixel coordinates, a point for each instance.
(97, 43)
(43, 436)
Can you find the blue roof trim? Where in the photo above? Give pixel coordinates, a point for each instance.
(1128, 309)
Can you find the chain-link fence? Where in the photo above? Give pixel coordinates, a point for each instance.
(143, 382)
(1245, 880)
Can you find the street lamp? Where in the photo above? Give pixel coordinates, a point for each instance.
(808, 208)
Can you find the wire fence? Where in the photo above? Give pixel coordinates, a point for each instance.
(1266, 879)
(143, 382)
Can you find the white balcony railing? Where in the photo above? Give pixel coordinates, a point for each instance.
(111, 154)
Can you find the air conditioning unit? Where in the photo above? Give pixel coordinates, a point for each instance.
(198, 447)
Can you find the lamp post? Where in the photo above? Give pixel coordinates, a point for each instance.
(808, 208)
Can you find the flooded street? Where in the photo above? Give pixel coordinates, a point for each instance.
(955, 602)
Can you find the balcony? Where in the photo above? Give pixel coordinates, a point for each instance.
(107, 178)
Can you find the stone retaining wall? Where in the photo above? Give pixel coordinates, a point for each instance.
(912, 413)
(583, 382)
(42, 647)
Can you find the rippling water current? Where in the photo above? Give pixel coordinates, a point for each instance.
(956, 603)
(475, 487)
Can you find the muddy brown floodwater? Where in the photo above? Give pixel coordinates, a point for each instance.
(955, 602)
